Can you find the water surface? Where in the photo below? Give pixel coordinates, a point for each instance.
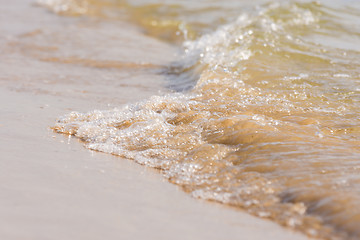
(264, 113)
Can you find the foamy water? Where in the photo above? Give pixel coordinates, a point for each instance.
(264, 113)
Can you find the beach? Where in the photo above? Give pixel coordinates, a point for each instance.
(51, 186)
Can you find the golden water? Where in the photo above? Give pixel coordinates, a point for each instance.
(264, 113)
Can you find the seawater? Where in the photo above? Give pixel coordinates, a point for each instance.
(264, 109)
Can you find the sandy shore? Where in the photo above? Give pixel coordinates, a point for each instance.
(51, 187)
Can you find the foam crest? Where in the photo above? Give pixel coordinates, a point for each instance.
(78, 7)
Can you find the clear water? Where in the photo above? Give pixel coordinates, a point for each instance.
(264, 113)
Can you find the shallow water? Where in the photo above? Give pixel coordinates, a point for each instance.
(264, 110)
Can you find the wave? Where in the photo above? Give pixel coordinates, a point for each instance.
(263, 117)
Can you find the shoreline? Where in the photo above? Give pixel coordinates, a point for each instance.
(54, 188)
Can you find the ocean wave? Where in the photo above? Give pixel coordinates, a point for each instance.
(270, 123)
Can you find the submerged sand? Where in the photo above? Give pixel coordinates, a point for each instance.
(51, 187)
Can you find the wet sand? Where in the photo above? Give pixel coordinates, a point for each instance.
(51, 187)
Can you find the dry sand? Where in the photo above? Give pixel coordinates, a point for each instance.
(51, 187)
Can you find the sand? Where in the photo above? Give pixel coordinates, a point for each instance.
(51, 187)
